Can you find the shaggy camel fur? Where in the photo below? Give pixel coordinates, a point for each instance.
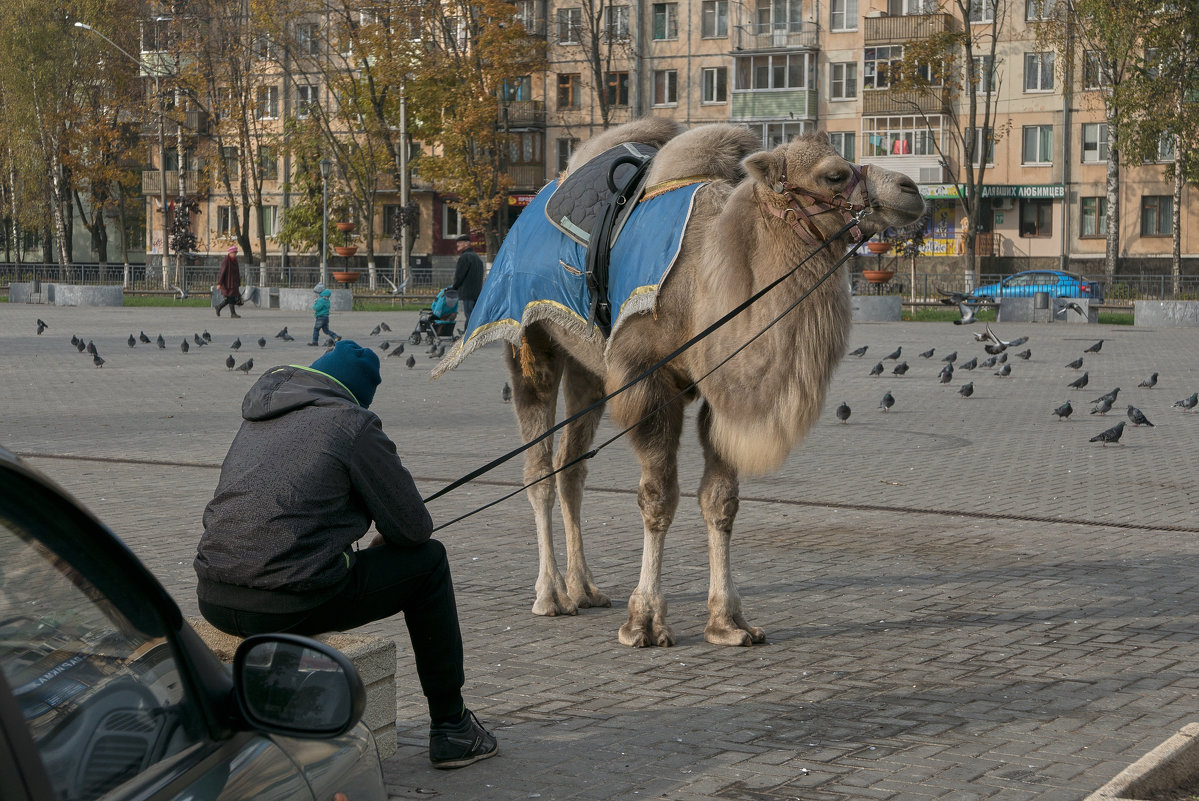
(732, 247)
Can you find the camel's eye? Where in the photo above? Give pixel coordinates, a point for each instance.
(837, 177)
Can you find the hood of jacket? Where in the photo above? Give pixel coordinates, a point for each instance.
(284, 389)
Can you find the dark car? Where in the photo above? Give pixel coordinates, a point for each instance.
(106, 691)
(1056, 283)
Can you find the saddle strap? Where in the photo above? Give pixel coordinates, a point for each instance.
(599, 249)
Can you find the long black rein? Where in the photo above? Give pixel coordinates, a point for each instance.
(650, 371)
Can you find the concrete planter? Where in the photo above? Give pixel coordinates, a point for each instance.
(876, 308)
(76, 295)
(1172, 766)
(301, 300)
(1053, 310)
(1160, 313)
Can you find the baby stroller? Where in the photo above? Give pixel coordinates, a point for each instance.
(436, 323)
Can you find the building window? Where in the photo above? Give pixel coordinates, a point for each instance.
(982, 10)
(230, 161)
(1094, 142)
(307, 38)
(525, 147)
(1036, 218)
(1165, 147)
(1094, 217)
(778, 15)
(984, 75)
(715, 19)
(268, 102)
(1038, 9)
(568, 90)
(1092, 70)
(268, 163)
(777, 133)
(845, 143)
(616, 88)
(666, 87)
(715, 84)
(778, 71)
(265, 47)
(453, 225)
(566, 148)
(900, 136)
(843, 15)
(1157, 215)
(666, 20)
(224, 221)
(570, 22)
(1037, 146)
(270, 221)
(843, 81)
(984, 143)
(306, 100)
(616, 23)
(878, 65)
(526, 15)
(516, 89)
(919, 7)
(1038, 72)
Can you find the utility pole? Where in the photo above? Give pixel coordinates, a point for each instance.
(405, 189)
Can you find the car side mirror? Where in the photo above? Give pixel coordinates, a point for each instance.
(295, 686)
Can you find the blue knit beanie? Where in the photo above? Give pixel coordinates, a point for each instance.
(356, 367)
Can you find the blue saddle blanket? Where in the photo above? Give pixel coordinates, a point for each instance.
(539, 272)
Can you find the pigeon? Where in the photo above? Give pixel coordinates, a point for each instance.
(385, 327)
(967, 390)
(994, 345)
(229, 362)
(384, 345)
(1079, 382)
(162, 343)
(74, 339)
(968, 311)
(1103, 408)
(236, 344)
(96, 360)
(877, 369)
(1111, 396)
(887, 402)
(1138, 417)
(395, 290)
(950, 298)
(900, 368)
(843, 411)
(968, 365)
(262, 342)
(81, 346)
(894, 356)
(1076, 364)
(247, 367)
(1150, 382)
(398, 349)
(1070, 306)
(1025, 354)
(989, 363)
(859, 352)
(145, 340)
(282, 334)
(132, 342)
(199, 342)
(951, 358)
(1186, 404)
(947, 374)
(437, 354)
(1095, 349)
(506, 393)
(183, 346)
(1064, 411)
(91, 347)
(287, 337)
(41, 326)
(1017, 342)
(1111, 435)
(928, 354)
(411, 361)
(207, 336)
(375, 331)
(1005, 371)
(330, 342)
(182, 293)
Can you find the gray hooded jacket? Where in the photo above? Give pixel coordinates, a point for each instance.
(306, 474)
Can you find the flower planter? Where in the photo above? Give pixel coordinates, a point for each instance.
(345, 227)
(878, 248)
(878, 276)
(345, 251)
(346, 277)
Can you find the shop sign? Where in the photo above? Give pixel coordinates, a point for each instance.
(520, 200)
(1024, 191)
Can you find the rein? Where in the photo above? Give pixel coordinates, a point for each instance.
(802, 206)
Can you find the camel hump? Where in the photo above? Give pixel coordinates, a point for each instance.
(654, 131)
(714, 151)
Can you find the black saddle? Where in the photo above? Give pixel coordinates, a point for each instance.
(591, 206)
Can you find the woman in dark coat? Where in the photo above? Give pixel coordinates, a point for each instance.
(228, 281)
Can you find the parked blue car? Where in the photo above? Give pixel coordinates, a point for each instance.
(1055, 283)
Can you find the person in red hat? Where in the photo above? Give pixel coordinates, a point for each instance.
(228, 281)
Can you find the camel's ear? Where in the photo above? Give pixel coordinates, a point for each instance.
(822, 136)
(767, 167)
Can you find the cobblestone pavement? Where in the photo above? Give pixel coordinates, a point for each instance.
(964, 598)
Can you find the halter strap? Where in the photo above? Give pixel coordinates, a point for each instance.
(803, 205)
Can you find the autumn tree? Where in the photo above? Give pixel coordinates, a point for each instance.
(600, 31)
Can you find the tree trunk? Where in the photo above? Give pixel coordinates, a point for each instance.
(1176, 215)
(1111, 258)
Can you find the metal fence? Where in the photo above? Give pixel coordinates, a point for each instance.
(1121, 291)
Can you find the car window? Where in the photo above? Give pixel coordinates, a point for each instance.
(1047, 279)
(1020, 280)
(102, 699)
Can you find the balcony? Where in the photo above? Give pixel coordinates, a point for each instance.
(194, 122)
(530, 177)
(877, 102)
(152, 182)
(883, 30)
(522, 113)
(754, 37)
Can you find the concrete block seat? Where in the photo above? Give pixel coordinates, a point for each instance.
(373, 657)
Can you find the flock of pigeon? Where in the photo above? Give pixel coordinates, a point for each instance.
(997, 351)
(199, 341)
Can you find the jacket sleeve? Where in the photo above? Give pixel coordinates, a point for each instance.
(387, 488)
(461, 270)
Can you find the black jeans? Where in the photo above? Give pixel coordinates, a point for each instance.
(385, 580)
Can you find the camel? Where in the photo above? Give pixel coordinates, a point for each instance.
(753, 410)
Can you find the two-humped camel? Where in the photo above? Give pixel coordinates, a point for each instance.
(754, 409)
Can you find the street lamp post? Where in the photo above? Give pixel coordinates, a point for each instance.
(405, 189)
(325, 166)
(162, 156)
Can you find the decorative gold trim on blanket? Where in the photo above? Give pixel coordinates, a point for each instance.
(663, 187)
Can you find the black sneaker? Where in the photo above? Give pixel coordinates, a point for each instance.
(456, 745)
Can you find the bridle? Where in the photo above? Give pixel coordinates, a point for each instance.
(802, 205)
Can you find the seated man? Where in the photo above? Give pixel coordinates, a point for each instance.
(307, 473)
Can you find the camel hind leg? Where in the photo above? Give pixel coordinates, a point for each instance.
(719, 503)
(535, 397)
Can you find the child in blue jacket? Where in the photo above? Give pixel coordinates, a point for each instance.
(320, 308)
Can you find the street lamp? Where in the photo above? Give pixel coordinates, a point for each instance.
(162, 155)
(325, 166)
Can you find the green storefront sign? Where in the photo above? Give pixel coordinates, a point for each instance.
(1022, 191)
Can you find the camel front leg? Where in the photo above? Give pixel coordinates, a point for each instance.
(719, 503)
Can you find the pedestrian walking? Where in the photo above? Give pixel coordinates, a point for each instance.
(468, 278)
(228, 282)
(321, 308)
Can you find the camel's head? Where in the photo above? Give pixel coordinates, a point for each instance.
(808, 168)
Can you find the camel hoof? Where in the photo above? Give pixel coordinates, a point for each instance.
(732, 635)
(638, 635)
(591, 599)
(549, 607)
